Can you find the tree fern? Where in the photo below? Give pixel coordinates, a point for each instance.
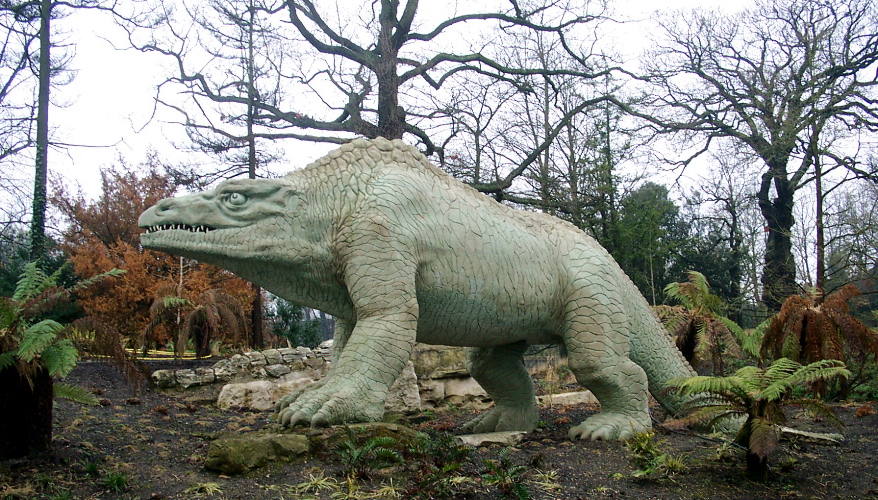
(701, 331)
(60, 358)
(7, 359)
(758, 395)
(32, 281)
(37, 338)
(74, 393)
(813, 327)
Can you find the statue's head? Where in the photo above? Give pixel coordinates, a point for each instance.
(239, 220)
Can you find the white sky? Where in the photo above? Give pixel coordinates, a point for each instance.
(110, 101)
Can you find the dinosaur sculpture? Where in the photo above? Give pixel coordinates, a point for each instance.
(400, 252)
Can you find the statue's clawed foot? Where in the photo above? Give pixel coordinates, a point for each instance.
(505, 418)
(609, 426)
(289, 399)
(331, 403)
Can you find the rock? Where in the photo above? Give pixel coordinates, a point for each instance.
(326, 344)
(254, 395)
(506, 438)
(259, 395)
(462, 390)
(256, 358)
(403, 395)
(191, 378)
(164, 378)
(328, 438)
(315, 363)
(238, 454)
(432, 361)
(272, 357)
(432, 392)
(225, 370)
(277, 370)
(239, 361)
(568, 399)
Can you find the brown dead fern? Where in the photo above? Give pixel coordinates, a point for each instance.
(217, 315)
(810, 328)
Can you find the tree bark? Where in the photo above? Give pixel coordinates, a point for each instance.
(391, 116)
(820, 282)
(779, 272)
(38, 217)
(256, 334)
(25, 413)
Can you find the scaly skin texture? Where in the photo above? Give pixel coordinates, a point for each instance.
(400, 252)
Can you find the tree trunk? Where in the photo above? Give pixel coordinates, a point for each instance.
(757, 467)
(25, 413)
(779, 272)
(391, 116)
(38, 216)
(256, 334)
(820, 282)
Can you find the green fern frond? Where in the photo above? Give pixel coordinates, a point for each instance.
(780, 369)
(733, 327)
(59, 358)
(33, 281)
(7, 359)
(35, 339)
(170, 302)
(112, 273)
(711, 413)
(700, 282)
(73, 393)
(727, 386)
(824, 369)
(797, 375)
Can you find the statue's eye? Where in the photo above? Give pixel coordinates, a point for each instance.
(236, 199)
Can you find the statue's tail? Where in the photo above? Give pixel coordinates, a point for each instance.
(655, 352)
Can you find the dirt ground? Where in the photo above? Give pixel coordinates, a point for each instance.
(153, 446)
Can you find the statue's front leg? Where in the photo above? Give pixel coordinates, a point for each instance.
(343, 330)
(373, 357)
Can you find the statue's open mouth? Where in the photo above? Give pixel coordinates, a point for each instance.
(180, 227)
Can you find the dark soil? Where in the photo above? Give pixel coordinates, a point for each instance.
(151, 445)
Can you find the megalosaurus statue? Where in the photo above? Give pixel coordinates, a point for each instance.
(400, 252)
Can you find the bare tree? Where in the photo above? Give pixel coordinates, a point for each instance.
(771, 78)
(363, 65)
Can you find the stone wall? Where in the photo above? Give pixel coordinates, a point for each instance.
(435, 376)
(256, 365)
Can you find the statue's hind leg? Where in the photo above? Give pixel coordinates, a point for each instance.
(597, 345)
(500, 371)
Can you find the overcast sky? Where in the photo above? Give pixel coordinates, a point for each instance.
(109, 103)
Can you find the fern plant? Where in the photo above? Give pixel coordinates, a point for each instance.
(203, 319)
(757, 395)
(701, 331)
(360, 459)
(29, 343)
(812, 327)
(33, 353)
